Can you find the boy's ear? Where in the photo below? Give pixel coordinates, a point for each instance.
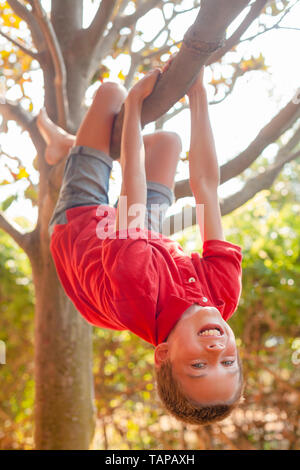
(161, 353)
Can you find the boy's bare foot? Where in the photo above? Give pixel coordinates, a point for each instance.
(58, 141)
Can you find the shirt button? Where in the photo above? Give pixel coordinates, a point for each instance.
(192, 279)
(204, 299)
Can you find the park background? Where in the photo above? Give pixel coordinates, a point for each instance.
(247, 87)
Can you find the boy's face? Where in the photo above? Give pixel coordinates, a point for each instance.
(203, 354)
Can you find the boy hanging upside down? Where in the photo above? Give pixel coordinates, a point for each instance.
(126, 278)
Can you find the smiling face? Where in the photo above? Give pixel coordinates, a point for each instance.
(202, 350)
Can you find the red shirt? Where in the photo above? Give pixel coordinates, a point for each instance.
(141, 284)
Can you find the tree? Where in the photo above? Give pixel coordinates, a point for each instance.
(70, 58)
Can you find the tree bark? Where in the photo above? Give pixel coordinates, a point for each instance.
(64, 409)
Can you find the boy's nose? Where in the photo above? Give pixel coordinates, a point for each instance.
(216, 347)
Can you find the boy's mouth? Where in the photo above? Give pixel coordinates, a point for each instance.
(211, 330)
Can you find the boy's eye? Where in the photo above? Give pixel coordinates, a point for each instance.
(227, 363)
(198, 365)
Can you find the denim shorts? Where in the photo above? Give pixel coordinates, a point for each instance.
(86, 183)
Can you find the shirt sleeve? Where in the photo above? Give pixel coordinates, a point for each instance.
(130, 265)
(222, 264)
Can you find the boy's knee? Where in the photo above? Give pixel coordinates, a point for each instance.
(111, 89)
(172, 141)
(168, 142)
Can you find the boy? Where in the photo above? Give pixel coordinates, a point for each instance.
(120, 277)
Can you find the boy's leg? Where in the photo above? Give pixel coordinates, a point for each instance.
(162, 155)
(88, 167)
(95, 130)
(162, 151)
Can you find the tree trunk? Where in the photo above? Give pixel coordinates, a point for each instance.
(64, 410)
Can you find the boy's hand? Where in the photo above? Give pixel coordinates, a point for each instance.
(169, 62)
(198, 83)
(144, 87)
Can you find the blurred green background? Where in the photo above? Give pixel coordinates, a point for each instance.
(128, 412)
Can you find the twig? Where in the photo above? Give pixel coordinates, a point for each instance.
(238, 73)
(166, 117)
(288, 28)
(34, 55)
(167, 23)
(30, 19)
(127, 21)
(275, 26)
(139, 57)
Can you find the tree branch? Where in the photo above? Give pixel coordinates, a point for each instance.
(275, 25)
(149, 44)
(13, 111)
(271, 132)
(268, 134)
(254, 12)
(166, 117)
(30, 19)
(135, 60)
(210, 25)
(58, 63)
(95, 31)
(34, 55)
(129, 20)
(288, 147)
(139, 57)
(288, 28)
(238, 73)
(255, 184)
(22, 239)
(120, 22)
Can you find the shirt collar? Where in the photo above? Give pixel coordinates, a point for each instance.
(169, 316)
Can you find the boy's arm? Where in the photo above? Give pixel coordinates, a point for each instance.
(203, 165)
(132, 159)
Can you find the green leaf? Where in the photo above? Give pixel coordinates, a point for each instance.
(5, 204)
